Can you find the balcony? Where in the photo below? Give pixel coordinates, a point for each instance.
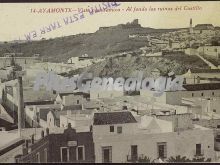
(134, 158)
(198, 153)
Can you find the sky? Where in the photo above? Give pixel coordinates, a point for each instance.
(17, 20)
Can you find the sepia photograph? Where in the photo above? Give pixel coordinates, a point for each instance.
(110, 82)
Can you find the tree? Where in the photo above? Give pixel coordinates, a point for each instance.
(185, 159)
(144, 159)
(202, 159)
(178, 159)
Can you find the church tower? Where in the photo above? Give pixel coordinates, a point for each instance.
(190, 26)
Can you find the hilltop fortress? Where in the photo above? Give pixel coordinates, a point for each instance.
(130, 25)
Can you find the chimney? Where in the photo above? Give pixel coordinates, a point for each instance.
(69, 126)
(190, 26)
(21, 118)
(70, 132)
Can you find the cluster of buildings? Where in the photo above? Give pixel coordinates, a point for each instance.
(114, 126)
(196, 40)
(137, 137)
(90, 127)
(34, 65)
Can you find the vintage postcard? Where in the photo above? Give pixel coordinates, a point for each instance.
(110, 82)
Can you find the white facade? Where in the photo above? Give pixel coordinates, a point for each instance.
(51, 121)
(193, 78)
(175, 45)
(212, 51)
(69, 100)
(79, 63)
(147, 141)
(76, 120)
(32, 110)
(175, 97)
(209, 106)
(105, 94)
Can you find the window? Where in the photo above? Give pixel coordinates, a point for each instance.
(213, 93)
(198, 149)
(112, 129)
(192, 94)
(134, 152)
(162, 149)
(64, 151)
(77, 101)
(214, 110)
(38, 157)
(119, 129)
(107, 154)
(202, 94)
(45, 155)
(218, 126)
(80, 153)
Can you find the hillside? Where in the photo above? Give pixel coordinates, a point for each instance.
(125, 66)
(101, 43)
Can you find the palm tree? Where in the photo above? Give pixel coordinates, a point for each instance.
(184, 159)
(202, 159)
(178, 159)
(144, 159)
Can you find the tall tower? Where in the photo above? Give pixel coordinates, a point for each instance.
(17, 74)
(190, 26)
(21, 113)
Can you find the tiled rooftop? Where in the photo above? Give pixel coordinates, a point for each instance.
(205, 70)
(113, 118)
(206, 86)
